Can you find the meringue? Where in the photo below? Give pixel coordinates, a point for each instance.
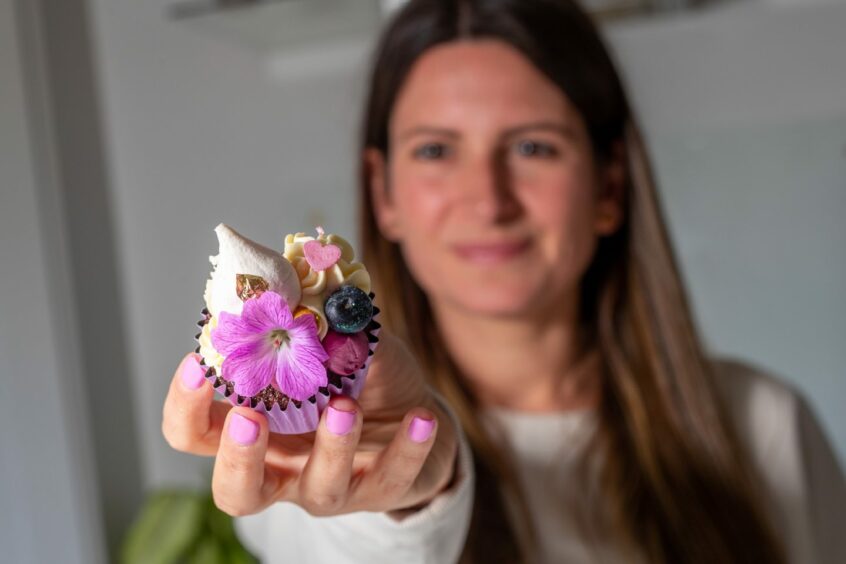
(240, 255)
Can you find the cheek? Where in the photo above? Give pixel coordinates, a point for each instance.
(563, 211)
(562, 196)
(422, 208)
(421, 204)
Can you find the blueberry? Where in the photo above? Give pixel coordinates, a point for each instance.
(348, 310)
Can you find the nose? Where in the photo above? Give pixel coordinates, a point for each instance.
(488, 190)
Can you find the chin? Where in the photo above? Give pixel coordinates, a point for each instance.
(494, 300)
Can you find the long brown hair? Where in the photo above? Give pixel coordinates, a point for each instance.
(675, 484)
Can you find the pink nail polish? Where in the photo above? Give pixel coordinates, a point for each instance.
(242, 430)
(420, 429)
(192, 373)
(339, 422)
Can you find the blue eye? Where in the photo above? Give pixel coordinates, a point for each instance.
(430, 151)
(533, 149)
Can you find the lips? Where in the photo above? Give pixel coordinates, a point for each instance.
(490, 253)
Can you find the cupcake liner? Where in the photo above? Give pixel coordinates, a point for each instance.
(295, 417)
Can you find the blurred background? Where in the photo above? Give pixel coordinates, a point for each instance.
(128, 130)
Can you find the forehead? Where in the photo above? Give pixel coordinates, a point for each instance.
(479, 83)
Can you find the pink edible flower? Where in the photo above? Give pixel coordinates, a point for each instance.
(266, 345)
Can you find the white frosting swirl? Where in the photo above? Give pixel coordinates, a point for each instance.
(318, 285)
(210, 356)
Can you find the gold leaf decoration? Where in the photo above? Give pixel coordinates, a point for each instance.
(249, 286)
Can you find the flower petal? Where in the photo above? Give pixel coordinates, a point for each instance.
(267, 312)
(300, 370)
(303, 335)
(298, 375)
(250, 368)
(232, 333)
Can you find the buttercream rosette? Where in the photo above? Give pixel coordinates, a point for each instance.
(282, 332)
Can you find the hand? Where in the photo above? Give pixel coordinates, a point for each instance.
(386, 460)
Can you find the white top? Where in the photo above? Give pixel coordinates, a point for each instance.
(805, 486)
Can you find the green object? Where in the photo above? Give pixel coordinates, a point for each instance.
(183, 527)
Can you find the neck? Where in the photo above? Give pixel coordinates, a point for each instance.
(525, 364)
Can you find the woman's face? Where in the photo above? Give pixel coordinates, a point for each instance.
(491, 188)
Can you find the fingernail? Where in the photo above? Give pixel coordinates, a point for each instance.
(243, 431)
(420, 429)
(192, 373)
(339, 422)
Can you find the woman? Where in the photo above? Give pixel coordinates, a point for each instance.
(547, 397)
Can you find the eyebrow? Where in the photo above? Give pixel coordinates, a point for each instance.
(555, 127)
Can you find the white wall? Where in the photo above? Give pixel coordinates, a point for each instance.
(745, 118)
(48, 494)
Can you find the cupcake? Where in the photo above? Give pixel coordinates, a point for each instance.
(282, 332)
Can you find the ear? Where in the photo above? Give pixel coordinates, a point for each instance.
(384, 208)
(612, 192)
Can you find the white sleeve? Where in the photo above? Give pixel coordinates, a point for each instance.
(804, 485)
(436, 533)
(825, 491)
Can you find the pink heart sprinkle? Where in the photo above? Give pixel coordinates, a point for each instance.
(319, 256)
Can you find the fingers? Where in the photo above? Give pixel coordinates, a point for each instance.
(395, 471)
(241, 484)
(325, 481)
(191, 420)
